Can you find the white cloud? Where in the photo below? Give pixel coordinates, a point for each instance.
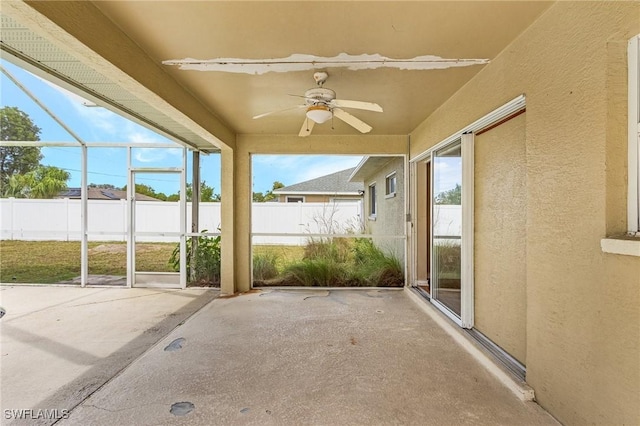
(140, 135)
(150, 155)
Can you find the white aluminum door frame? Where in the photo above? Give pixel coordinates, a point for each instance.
(466, 319)
(131, 233)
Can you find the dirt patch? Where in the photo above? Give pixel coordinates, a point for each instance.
(122, 248)
(109, 248)
(204, 283)
(252, 291)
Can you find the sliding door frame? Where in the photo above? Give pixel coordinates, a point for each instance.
(466, 135)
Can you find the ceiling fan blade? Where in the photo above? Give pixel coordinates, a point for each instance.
(280, 110)
(369, 106)
(351, 120)
(307, 127)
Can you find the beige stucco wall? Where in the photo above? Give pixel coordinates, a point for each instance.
(583, 306)
(500, 220)
(390, 214)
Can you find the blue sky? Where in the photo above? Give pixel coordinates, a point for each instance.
(109, 165)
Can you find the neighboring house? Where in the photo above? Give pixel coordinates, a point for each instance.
(384, 207)
(330, 188)
(102, 194)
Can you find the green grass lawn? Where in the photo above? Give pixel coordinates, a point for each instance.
(55, 261)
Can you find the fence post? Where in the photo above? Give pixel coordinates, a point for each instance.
(300, 223)
(11, 213)
(123, 203)
(66, 209)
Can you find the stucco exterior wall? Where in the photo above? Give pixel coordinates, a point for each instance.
(500, 220)
(390, 214)
(583, 306)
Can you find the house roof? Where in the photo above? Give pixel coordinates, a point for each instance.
(334, 183)
(367, 167)
(102, 194)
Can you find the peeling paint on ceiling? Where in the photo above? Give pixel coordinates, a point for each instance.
(302, 62)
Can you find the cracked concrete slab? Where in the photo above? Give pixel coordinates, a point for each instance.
(58, 345)
(282, 357)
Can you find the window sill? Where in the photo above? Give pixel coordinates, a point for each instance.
(393, 194)
(372, 218)
(625, 245)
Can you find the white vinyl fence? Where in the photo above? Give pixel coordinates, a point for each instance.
(59, 219)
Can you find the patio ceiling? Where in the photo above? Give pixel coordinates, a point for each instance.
(120, 47)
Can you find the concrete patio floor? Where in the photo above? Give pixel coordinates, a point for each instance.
(288, 357)
(58, 345)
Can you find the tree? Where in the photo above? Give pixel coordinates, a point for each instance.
(207, 193)
(450, 197)
(259, 197)
(143, 189)
(102, 186)
(43, 182)
(16, 125)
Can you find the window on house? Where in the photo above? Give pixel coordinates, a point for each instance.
(390, 185)
(373, 204)
(633, 208)
(295, 199)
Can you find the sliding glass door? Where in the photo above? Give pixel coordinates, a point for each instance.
(446, 231)
(443, 240)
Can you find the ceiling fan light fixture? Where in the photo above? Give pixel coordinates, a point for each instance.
(319, 113)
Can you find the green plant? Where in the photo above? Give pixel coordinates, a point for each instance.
(447, 254)
(318, 273)
(375, 267)
(264, 266)
(203, 259)
(337, 249)
(341, 262)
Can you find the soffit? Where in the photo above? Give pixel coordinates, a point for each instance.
(368, 167)
(257, 30)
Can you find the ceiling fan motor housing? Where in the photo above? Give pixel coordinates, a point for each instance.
(319, 95)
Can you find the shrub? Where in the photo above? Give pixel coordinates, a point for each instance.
(336, 249)
(317, 273)
(264, 266)
(447, 254)
(342, 262)
(375, 267)
(203, 263)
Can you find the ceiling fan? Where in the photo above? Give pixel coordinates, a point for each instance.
(321, 105)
